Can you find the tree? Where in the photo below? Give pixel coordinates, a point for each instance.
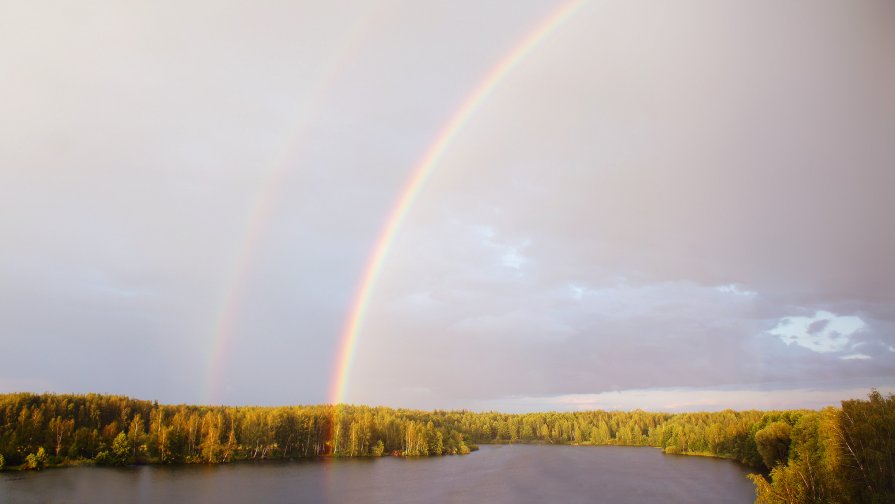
(135, 434)
(211, 437)
(773, 443)
(38, 461)
(121, 449)
(867, 435)
(158, 434)
(230, 447)
(811, 474)
(60, 429)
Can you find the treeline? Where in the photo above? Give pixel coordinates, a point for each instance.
(836, 455)
(48, 429)
(843, 455)
(727, 434)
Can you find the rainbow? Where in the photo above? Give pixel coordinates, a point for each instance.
(264, 202)
(419, 174)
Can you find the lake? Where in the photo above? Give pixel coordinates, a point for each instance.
(496, 474)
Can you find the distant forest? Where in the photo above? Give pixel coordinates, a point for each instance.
(842, 454)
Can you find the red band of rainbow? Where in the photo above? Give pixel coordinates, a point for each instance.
(418, 177)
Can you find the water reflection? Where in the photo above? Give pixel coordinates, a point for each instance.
(496, 474)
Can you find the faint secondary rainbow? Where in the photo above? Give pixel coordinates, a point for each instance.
(418, 176)
(264, 202)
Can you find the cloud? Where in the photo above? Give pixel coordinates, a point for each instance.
(816, 327)
(735, 290)
(521, 336)
(704, 207)
(680, 400)
(687, 234)
(824, 332)
(509, 255)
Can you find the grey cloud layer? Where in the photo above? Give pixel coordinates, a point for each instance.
(638, 205)
(676, 191)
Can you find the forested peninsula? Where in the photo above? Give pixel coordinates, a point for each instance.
(842, 454)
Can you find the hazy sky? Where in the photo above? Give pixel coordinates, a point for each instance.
(662, 206)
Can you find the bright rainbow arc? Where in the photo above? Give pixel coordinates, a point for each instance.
(418, 177)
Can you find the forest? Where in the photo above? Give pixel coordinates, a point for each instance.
(844, 454)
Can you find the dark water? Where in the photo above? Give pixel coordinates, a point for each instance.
(496, 475)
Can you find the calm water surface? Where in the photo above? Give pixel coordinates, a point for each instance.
(518, 474)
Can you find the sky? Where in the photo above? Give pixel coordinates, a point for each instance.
(667, 207)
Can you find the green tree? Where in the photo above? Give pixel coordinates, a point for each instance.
(773, 443)
(37, 461)
(121, 450)
(867, 436)
(811, 474)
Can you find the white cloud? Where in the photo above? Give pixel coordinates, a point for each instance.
(512, 258)
(509, 255)
(823, 332)
(735, 290)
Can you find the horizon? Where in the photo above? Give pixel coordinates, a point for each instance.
(581, 406)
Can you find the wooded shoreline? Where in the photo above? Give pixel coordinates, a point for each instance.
(842, 454)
